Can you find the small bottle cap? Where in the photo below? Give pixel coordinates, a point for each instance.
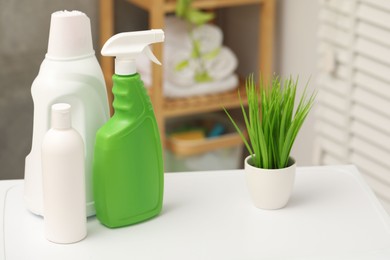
(70, 36)
(61, 116)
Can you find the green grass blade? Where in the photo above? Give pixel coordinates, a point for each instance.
(239, 131)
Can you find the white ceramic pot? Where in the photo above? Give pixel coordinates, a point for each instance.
(270, 188)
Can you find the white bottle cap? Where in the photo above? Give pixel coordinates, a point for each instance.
(60, 116)
(70, 36)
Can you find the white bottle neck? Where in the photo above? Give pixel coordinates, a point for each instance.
(61, 116)
(125, 67)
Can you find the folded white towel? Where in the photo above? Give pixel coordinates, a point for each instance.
(208, 36)
(174, 91)
(176, 33)
(182, 69)
(222, 65)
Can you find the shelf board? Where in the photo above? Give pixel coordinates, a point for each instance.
(169, 6)
(203, 104)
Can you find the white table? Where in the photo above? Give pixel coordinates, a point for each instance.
(208, 215)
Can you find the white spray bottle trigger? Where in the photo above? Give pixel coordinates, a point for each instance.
(127, 46)
(148, 52)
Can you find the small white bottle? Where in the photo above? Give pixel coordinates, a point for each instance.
(64, 198)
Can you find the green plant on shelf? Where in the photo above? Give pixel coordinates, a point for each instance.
(271, 123)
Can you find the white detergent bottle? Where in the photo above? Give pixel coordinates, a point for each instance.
(63, 179)
(70, 73)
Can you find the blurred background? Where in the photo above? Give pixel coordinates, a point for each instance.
(24, 28)
(340, 46)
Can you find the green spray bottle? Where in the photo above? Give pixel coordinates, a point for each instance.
(128, 172)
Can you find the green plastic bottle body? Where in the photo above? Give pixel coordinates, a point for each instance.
(128, 175)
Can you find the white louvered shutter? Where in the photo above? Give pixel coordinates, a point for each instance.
(353, 115)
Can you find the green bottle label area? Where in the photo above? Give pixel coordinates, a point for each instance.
(128, 166)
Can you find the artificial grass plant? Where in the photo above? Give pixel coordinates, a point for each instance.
(271, 123)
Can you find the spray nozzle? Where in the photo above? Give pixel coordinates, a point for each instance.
(127, 46)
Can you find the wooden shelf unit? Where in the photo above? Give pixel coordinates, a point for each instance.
(203, 104)
(166, 107)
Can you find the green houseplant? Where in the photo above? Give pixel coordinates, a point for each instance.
(272, 123)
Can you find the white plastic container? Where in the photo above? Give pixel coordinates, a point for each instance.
(63, 179)
(70, 74)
